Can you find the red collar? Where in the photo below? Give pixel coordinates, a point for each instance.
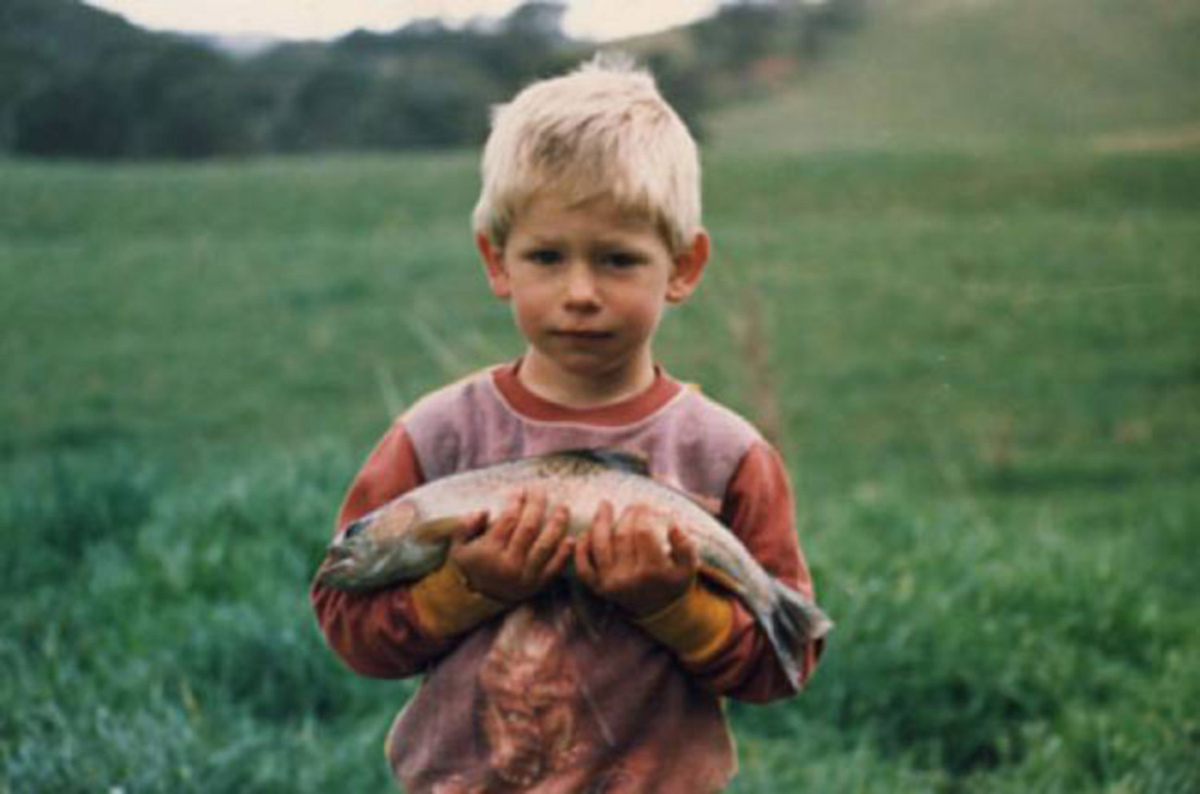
(627, 411)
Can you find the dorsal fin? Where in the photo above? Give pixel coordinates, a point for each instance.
(611, 459)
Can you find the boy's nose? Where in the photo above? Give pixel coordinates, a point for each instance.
(581, 286)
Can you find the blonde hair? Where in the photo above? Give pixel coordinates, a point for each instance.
(600, 131)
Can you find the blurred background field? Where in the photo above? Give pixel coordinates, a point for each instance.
(975, 342)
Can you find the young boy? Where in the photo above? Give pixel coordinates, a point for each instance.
(588, 225)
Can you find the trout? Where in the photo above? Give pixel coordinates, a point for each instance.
(409, 537)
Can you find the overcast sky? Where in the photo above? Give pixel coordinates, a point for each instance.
(299, 19)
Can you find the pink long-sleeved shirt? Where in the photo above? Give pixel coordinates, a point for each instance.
(535, 698)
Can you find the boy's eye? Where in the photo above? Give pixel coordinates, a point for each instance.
(544, 256)
(621, 259)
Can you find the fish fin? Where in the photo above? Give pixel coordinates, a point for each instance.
(721, 578)
(794, 621)
(610, 459)
(438, 530)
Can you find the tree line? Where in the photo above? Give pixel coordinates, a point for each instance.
(78, 82)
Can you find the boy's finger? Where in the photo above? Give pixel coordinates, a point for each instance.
(550, 539)
(604, 513)
(651, 546)
(601, 537)
(558, 562)
(470, 527)
(506, 522)
(684, 553)
(529, 523)
(630, 530)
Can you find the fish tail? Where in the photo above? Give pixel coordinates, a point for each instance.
(793, 622)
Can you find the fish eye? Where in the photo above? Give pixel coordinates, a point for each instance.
(352, 531)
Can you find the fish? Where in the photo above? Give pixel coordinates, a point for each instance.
(410, 536)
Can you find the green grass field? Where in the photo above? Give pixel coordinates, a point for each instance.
(983, 371)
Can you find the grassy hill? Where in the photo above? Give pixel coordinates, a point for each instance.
(983, 374)
(932, 73)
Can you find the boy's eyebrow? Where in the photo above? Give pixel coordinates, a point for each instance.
(605, 243)
(536, 240)
(618, 240)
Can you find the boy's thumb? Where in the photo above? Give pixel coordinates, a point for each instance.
(683, 549)
(470, 527)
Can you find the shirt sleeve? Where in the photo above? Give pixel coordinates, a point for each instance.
(381, 633)
(760, 509)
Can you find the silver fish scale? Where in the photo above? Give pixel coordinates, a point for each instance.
(582, 485)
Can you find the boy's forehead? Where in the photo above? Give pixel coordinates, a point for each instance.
(601, 209)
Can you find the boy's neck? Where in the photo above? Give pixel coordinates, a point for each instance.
(572, 390)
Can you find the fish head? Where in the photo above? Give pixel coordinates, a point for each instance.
(364, 553)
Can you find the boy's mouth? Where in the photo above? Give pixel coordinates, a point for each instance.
(582, 334)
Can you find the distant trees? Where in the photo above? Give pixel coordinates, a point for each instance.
(741, 33)
(745, 34)
(75, 81)
(78, 82)
(85, 83)
(822, 18)
(171, 100)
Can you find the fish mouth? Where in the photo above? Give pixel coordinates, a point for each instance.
(337, 555)
(336, 560)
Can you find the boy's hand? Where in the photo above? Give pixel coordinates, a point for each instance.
(633, 562)
(514, 556)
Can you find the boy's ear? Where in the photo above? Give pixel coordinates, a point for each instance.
(493, 263)
(689, 267)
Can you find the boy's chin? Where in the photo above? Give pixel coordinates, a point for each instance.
(585, 366)
(573, 363)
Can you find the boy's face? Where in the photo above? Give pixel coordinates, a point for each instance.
(588, 284)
